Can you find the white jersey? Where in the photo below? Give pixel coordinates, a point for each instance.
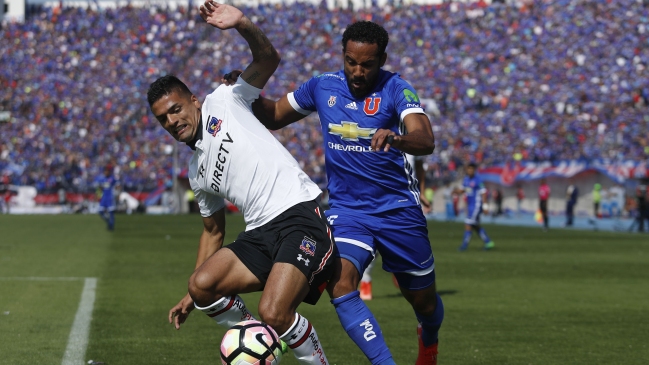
(240, 160)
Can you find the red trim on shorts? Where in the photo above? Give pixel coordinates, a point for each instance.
(227, 307)
(325, 258)
(304, 338)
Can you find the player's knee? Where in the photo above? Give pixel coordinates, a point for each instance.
(280, 319)
(201, 288)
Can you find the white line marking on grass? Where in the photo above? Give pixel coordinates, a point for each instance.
(75, 352)
(39, 278)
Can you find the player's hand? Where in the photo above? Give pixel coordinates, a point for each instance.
(231, 77)
(221, 16)
(179, 313)
(383, 139)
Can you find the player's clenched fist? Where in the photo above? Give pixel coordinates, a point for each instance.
(221, 16)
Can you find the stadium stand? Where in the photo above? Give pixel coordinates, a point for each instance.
(548, 81)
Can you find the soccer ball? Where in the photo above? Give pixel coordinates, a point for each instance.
(251, 343)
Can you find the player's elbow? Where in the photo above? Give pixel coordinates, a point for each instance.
(429, 146)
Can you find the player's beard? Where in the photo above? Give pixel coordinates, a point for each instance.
(358, 92)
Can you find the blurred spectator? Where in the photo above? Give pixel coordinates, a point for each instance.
(572, 194)
(597, 199)
(544, 196)
(642, 194)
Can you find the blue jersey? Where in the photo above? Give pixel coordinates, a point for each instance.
(473, 188)
(359, 179)
(107, 184)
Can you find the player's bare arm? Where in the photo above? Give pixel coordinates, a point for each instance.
(419, 141)
(265, 57)
(211, 240)
(275, 115)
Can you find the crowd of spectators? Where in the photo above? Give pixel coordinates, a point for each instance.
(552, 80)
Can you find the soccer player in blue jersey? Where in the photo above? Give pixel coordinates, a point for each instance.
(107, 185)
(476, 204)
(370, 119)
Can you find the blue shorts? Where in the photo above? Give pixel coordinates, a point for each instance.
(106, 205)
(400, 236)
(473, 215)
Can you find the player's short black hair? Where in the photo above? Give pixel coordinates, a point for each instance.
(366, 32)
(472, 164)
(165, 85)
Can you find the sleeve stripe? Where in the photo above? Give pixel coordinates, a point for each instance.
(409, 111)
(295, 105)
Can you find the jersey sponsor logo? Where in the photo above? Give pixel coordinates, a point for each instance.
(332, 101)
(219, 166)
(372, 105)
(348, 147)
(214, 126)
(308, 246)
(350, 131)
(410, 96)
(351, 106)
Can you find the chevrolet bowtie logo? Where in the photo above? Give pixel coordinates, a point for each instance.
(349, 131)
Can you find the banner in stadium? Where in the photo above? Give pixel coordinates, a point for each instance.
(511, 173)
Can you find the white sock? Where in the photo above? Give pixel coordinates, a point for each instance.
(304, 342)
(367, 274)
(228, 311)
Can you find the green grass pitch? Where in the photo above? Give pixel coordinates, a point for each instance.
(562, 297)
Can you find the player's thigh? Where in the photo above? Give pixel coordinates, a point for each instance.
(354, 240)
(403, 243)
(305, 241)
(224, 274)
(285, 289)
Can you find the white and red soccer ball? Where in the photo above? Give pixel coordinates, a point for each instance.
(251, 343)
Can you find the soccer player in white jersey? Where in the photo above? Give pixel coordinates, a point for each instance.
(287, 249)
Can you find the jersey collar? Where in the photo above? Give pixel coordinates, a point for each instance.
(197, 137)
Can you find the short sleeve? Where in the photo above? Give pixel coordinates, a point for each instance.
(208, 203)
(244, 92)
(405, 99)
(303, 99)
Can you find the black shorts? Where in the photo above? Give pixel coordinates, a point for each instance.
(299, 236)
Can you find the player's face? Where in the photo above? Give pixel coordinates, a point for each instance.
(470, 171)
(179, 114)
(362, 65)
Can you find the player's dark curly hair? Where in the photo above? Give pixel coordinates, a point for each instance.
(366, 32)
(165, 85)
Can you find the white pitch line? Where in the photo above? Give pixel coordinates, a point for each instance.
(75, 352)
(39, 278)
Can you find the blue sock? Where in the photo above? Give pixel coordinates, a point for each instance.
(467, 238)
(111, 220)
(430, 324)
(362, 328)
(483, 235)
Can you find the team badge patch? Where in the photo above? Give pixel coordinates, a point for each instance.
(308, 246)
(372, 105)
(332, 101)
(214, 126)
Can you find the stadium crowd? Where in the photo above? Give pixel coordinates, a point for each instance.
(553, 80)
